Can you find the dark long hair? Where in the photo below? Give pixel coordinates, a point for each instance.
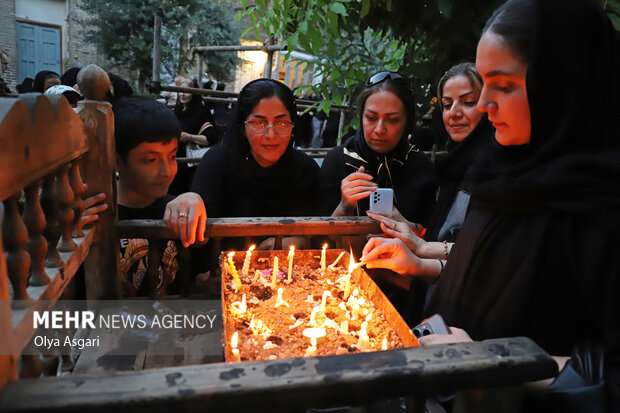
(248, 98)
(402, 89)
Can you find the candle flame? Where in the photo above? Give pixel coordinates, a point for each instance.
(291, 250)
(325, 246)
(314, 333)
(313, 341)
(252, 247)
(231, 254)
(351, 263)
(235, 338)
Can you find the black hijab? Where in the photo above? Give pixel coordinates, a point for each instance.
(533, 255)
(69, 78)
(405, 169)
(286, 188)
(572, 162)
(451, 168)
(39, 80)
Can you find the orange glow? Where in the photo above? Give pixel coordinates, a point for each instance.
(235, 338)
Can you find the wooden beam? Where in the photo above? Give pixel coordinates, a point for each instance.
(283, 385)
(260, 226)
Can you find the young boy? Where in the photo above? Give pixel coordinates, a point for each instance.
(146, 135)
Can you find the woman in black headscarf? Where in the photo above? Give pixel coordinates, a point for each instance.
(380, 155)
(198, 134)
(45, 79)
(256, 172)
(537, 253)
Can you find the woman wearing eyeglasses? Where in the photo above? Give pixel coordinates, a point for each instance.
(380, 155)
(256, 172)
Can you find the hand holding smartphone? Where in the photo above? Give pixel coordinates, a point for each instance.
(432, 325)
(382, 200)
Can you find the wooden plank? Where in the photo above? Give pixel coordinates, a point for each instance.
(278, 385)
(37, 135)
(259, 226)
(101, 267)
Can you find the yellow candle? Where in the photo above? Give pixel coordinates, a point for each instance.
(235, 350)
(363, 343)
(246, 263)
(323, 258)
(347, 286)
(233, 270)
(274, 276)
(333, 264)
(291, 254)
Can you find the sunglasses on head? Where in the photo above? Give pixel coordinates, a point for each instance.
(381, 76)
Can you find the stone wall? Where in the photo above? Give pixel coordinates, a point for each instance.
(8, 40)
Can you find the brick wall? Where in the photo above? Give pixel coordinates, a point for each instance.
(80, 53)
(8, 40)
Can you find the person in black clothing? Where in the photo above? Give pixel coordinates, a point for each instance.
(25, 86)
(146, 137)
(45, 79)
(256, 171)
(533, 255)
(198, 134)
(468, 130)
(380, 155)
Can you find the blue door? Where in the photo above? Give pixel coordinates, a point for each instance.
(38, 48)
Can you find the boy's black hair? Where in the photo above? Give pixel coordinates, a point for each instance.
(141, 119)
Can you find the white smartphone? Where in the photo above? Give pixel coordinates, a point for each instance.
(382, 200)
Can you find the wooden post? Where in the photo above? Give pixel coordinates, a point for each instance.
(156, 48)
(267, 71)
(98, 167)
(199, 71)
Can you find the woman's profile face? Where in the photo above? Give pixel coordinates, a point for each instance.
(383, 121)
(504, 94)
(460, 112)
(268, 129)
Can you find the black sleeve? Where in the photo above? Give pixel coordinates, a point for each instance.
(209, 180)
(331, 176)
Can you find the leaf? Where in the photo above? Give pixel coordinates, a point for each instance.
(365, 8)
(338, 8)
(292, 42)
(303, 27)
(615, 20)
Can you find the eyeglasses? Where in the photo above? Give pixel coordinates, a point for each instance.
(260, 127)
(381, 76)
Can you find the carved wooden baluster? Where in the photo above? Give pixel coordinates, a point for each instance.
(14, 236)
(65, 213)
(151, 280)
(77, 185)
(29, 364)
(49, 364)
(36, 244)
(49, 203)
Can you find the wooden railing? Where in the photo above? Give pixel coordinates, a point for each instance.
(47, 153)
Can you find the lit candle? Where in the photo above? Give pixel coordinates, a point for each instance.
(384, 345)
(344, 327)
(279, 300)
(323, 258)
(332, 266)
(235, 350)
(246, 263)
(233, 270)
(291, 253)
(274, 276)
(324, 299)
